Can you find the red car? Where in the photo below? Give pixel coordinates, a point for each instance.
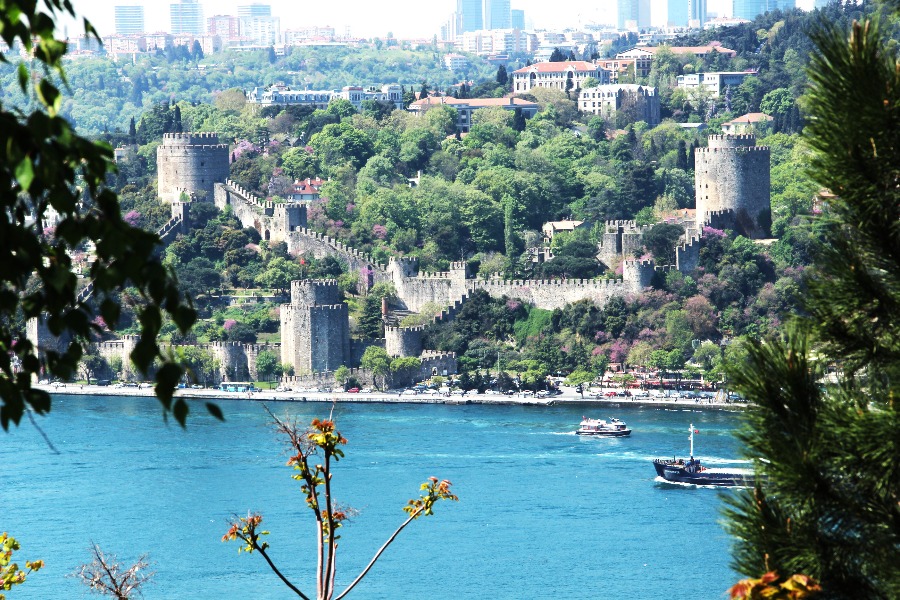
(611, 394)
(353, 391)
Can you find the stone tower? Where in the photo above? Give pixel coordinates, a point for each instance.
(732, 185)
(315, 327)
(190, 163)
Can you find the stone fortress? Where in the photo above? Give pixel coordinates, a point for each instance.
(732, 192)
(732, 181)
(190, 163)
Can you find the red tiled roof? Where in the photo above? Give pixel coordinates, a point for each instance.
(756, 117)
(558, 67)
(477, 102)
(690, 49)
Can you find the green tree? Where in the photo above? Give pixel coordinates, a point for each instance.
(405, 368)
(279, 273)
(825, 505)
(44, 164)
(341, 375)
(502, 77)
(777, 103)
(376, 360)
(315, 452)
(580, 379)
(369, 323)
(91, 364)
(201, 364)
(266, 364)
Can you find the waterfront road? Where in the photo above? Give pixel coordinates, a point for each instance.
(569, 397)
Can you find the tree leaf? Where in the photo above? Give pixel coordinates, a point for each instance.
(25, 173)
(215, 411)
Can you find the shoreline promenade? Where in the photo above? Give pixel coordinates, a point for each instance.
(569, 397)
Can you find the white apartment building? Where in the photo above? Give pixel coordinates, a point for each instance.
(605, 100)
(496, 41)
(565, 76)
(282, 95)
(295, 37)
(124, 44)
(356, 95)
(456, 62)
(713, 83)
(261, 31)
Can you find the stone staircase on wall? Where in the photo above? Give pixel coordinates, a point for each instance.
(166, 233)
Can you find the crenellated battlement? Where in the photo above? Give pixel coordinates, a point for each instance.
(315, 292)
(733, 136)
(194, 139)
(733, 149)
(417, 328)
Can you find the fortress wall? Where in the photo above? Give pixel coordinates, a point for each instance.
(416, 292)
(687, 255)
(551, 294)
(274, 222)
(437, 363)
(302, 241)
(323, 379)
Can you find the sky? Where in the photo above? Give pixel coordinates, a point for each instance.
(366, 18)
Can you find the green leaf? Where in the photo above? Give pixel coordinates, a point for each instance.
(180, 411)
(23, 77)
(25, 173)
(215, 411)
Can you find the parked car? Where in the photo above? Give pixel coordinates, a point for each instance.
(366, 390)
(353, 390)
(611, 394)
(408, 392)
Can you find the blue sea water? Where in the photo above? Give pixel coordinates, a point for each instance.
(543, 513)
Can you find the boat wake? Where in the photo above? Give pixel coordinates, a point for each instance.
(666, 482)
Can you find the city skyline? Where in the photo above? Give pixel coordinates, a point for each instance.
(369, 20)
(363, 19)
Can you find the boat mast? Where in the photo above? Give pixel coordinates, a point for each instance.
(692, 441)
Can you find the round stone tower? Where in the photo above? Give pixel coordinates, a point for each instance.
(315, 292)
(732, 185)
(191, 163)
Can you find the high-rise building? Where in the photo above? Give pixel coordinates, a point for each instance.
(669, 13)
(225, 26)
(129, 19)
(262, 31)
(635, 14)
(187, 17)
(496, 14)
(696, 13)
(256, 9)
(518, 18)
(750, 9)
(470, 15)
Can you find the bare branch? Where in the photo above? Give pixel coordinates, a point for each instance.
(104, 575)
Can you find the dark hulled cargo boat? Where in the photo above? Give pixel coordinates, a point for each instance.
(691, 471)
